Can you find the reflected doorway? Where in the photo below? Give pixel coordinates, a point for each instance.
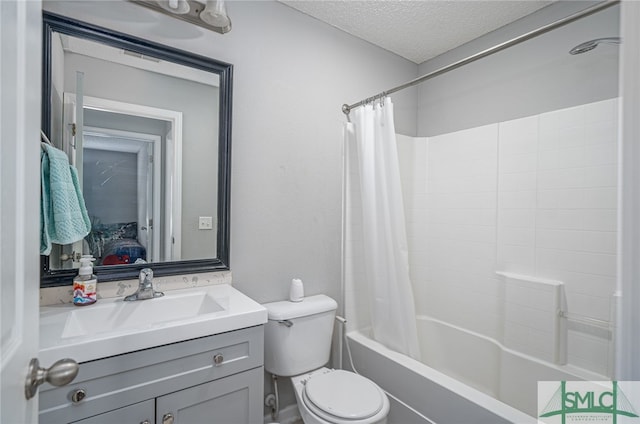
(122, 165)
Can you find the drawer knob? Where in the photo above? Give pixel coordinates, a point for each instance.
(146, 422)
(218, 359)
(78, 395)
(167, 418)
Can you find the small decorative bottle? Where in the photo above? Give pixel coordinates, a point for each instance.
(85, 284)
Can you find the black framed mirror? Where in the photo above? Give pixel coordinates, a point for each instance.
(167, 251)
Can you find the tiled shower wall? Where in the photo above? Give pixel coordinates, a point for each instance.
(533, 196)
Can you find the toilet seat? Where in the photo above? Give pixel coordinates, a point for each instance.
(343, 397)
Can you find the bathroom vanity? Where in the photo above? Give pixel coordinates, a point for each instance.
(206, 365)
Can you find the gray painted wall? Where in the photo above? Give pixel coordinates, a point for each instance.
(534, 77)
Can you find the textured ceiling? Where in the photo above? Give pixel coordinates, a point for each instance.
(417, 30)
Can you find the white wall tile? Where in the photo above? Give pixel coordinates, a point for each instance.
(563, 118)
(536, 196)
(599, 242)
(562, 138)
(599, 219)
(588, 352)
(517, 181)
(600, 154)
(559, 219)
(558, 239)
(589, 284)
(514, 258)
(517, 236)
(596, 263)
(589, 306)
(600, 176)
(570, 198)
(601, 133)
(519, 135)
(605, 111)
(558, 158)
(517, 199)
(599, 198)
(561, 178)
(518, 162)
(517, 218)
(564, 260)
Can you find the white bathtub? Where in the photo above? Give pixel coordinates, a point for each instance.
(464, 377)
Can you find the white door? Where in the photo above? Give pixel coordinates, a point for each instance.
(20, 64)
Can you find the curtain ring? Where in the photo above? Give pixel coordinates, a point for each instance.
(383, 96)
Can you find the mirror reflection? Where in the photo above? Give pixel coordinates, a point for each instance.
(143, 149)
(142, 125)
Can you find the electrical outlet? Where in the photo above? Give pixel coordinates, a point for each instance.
(205, 223)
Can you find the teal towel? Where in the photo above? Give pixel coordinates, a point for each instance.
(63, 214)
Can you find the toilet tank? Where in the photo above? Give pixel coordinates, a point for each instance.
(297, 335)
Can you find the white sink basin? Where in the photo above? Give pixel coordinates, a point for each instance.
(113, 326)
(120, 316)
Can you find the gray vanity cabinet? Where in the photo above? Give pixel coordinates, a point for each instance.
(214, 379)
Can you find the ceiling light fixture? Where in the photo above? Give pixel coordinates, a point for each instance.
(215, 13)
(210, 14)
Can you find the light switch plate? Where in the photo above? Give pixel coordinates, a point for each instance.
(205, 223)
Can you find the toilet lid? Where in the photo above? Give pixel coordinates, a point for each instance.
(344, 394)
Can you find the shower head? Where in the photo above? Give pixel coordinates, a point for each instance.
(592, 44)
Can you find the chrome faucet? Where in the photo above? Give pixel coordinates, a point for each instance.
(145, 287)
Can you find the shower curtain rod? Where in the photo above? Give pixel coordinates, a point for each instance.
(487, 52)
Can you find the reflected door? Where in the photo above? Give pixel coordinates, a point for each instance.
(122, 194)
(128, 157)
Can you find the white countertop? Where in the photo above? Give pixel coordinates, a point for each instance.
(113, 326)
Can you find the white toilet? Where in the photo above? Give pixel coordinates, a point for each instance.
(297, 345)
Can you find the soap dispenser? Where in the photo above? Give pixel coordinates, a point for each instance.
(85, 284)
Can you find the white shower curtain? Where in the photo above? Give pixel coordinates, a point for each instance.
(371, 137)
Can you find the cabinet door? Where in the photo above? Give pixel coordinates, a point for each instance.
(140, 413)
(236, 399)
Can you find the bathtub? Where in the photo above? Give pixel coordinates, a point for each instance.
(463, 377)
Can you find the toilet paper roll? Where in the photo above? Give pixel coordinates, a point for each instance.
(296, 291)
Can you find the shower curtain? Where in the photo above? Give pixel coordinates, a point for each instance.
(370, 137)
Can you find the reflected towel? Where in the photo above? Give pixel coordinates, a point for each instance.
(63, 215)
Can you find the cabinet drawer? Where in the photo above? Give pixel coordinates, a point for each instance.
(143, 412)
(122, 380)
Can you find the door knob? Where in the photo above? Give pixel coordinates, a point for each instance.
(59, 374)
